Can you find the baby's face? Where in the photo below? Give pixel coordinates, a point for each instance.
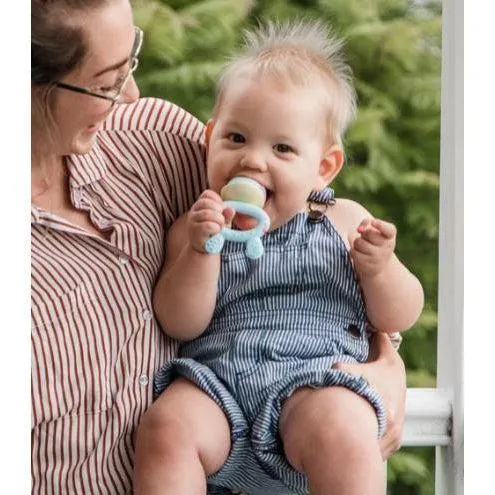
(273, 134)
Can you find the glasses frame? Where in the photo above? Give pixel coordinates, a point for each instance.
(138, 42)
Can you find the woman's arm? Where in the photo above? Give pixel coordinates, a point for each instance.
(385, 372)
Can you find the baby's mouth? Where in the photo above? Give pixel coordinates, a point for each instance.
(246, 222)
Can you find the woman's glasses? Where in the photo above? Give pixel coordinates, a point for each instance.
(114, 93)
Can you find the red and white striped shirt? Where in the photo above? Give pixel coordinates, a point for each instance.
(95, 342)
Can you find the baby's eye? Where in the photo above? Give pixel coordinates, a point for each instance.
(235, 137)
(283, 148)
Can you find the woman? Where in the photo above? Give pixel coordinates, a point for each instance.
(110, 173)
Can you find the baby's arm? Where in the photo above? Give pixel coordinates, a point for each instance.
(393, 295)
(185, 294)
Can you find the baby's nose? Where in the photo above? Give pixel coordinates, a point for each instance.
(253, 160)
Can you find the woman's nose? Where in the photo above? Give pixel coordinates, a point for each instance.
(131, 91)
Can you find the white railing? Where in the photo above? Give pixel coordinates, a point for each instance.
(449, 475)
(428, 418)
(434, 417)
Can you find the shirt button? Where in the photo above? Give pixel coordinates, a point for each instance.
(147, 315)
(123, 259)
(143, 380)
(104, 222)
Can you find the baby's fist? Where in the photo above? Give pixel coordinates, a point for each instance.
(206, 218)
(373, 248)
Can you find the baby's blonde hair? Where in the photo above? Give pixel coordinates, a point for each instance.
(302, 53)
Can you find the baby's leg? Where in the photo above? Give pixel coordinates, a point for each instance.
(183, 437)
(330, 434)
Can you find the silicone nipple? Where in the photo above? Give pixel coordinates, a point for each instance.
(247, 197)
(245, 190)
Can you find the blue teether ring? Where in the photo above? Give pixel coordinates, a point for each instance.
(254, 246)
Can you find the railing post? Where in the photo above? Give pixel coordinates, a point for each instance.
(450, 459)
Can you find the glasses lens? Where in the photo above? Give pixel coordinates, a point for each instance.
(116, 92)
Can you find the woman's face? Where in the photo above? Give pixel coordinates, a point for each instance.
(109, 35)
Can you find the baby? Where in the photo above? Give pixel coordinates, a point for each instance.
(253, 402)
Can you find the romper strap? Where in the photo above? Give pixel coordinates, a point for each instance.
(324, 197)
(318, 202)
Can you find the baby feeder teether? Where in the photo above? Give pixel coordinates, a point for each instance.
(248, 197)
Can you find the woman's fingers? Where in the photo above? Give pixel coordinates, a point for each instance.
(381, 348)
(386, 374)
(392, 439)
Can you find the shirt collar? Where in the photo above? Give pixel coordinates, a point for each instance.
(87, 168)
(35, 214)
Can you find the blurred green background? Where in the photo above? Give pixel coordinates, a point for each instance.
(394, 48)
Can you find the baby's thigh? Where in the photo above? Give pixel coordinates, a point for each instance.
(186, 417)
(325, 418)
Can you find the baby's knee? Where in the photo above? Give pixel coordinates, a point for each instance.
(330, 423)
(160, 430)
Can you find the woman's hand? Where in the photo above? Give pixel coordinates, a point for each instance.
(385, 372)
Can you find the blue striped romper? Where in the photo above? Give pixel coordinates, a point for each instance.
(280, 322)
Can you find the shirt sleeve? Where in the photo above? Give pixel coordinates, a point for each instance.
(167, 143)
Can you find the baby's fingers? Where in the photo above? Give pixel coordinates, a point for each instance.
(363, 246)
(229, 214)
(207, 215)
(208, 200)
(374, 237)
(364, 226)
(209, 194)
(387, 229)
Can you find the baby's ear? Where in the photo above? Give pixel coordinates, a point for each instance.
(330, 166)
(209, 129)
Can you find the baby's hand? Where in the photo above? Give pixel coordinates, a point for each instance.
(206, 218)
(373, 249)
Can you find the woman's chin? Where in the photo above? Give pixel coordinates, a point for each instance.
(85, 140)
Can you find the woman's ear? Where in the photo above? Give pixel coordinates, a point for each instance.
(209, 129)
(330, 166)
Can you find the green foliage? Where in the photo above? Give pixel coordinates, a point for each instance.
(186, 44)
(408, 473)
(392, 149)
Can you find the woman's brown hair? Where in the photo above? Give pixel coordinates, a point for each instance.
(57, 44)
(58, 47)
(57, 41)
